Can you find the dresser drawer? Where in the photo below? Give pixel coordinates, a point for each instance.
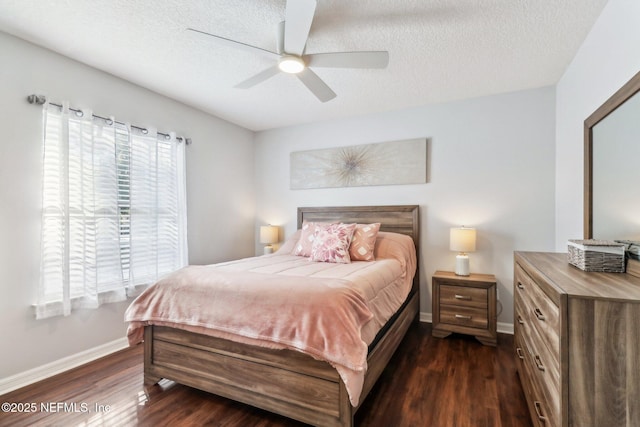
(545, 376)
(543, 361)
(538, 310)
(464, 296)
(541, 413)
(530, 394)
(464, 316)
(544, 409)
(545, 356)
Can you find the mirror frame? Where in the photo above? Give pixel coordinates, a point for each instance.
(616, 100)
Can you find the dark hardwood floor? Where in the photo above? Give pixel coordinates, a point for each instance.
(454, 381)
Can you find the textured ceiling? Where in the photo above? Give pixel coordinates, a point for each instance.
(439, 50)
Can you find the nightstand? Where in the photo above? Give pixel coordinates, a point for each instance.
(466, 305)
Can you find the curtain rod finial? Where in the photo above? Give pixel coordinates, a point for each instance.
(37, 99)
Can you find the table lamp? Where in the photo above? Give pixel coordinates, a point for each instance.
(268, 235)
(462, 240)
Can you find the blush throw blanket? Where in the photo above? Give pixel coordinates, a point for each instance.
(331, 312)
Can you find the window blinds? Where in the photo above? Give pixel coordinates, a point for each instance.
(113, 214)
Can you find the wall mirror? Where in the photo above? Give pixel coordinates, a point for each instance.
(612, 167)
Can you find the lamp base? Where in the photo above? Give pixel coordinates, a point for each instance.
(462, 265)
(268, 249)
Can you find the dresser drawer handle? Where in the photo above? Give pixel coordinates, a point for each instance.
(519, 351)
(520, 286)
(539, 314)
(539, 364)
(460, 316)
(463, 297)
(539, 413)
(520, 320)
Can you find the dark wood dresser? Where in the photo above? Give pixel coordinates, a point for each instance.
(577, 342)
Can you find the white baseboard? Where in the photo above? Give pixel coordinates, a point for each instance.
(40, 373)
(426, 317)
(503, 328)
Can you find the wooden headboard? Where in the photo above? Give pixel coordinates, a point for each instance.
(402, 219)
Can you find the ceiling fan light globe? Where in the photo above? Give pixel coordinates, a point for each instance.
(291, 64)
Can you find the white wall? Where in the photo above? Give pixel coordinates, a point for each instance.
(607, 59)
(220, 198)
(491, 165)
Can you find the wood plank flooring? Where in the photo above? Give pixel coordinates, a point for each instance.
(454, 382)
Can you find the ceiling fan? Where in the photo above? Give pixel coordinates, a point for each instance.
(291, 57)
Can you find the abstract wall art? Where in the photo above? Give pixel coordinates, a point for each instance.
(386, 163)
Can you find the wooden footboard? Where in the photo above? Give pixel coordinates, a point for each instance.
(282, 381)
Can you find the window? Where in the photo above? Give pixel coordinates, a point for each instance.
(114, 210)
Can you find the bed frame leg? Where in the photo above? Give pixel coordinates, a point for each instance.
(150, 381)
(149, 378)
(346, 410)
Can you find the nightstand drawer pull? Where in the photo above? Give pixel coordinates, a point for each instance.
(460, 316)
(538, 361)
(539, 413)
(463, 297)
(539, 314)
(520, 320)
(519, 351)
(520, 286)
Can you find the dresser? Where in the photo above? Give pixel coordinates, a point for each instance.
(576, 342)
(466, 305)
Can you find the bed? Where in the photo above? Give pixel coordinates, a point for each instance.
(285, 381)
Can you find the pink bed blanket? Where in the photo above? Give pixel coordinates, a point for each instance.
(328, 318)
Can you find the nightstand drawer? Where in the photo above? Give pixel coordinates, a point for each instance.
(464, 316)
(463, 296)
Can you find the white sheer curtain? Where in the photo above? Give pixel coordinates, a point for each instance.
(114, 211)
(158, 213)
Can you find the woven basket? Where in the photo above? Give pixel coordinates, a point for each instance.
(597, 255)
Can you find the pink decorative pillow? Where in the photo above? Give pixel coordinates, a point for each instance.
(364, 242)
(331, 243)
(307, 234)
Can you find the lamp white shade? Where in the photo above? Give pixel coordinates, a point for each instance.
(462, 240)
(269, 235)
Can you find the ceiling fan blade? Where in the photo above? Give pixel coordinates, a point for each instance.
(298, 18)
(316, 85)
(236, 44)
(348, 59)
(280, 38)
(258, 78)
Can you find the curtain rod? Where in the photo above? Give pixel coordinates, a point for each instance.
(41, 99)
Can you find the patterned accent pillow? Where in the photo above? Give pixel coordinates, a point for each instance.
(364, 242)
(303, 247)
(331, 243)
